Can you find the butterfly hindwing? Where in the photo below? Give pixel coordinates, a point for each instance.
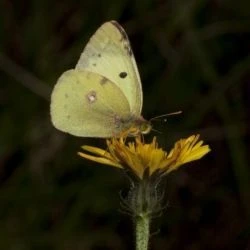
(88, 104)
(109, 54)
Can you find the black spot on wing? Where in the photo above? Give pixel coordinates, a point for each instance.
(123, 74)
(94, 55)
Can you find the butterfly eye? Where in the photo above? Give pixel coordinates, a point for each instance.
(145, 128)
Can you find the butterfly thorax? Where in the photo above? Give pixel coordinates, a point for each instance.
(133, 125)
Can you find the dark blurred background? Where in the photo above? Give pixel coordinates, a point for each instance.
(194, 56)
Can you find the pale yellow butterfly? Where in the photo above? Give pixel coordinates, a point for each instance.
(102, 96)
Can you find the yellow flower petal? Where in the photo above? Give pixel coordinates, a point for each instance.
(138, 156)
(100, 160)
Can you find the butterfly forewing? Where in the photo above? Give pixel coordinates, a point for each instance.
(108, 53)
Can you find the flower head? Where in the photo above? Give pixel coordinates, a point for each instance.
(141, 158)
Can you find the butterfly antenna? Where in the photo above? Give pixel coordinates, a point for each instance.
(155, 130)
(165, 115)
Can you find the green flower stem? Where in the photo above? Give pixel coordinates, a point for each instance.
(142, 231)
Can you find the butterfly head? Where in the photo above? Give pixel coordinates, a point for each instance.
(140, 126)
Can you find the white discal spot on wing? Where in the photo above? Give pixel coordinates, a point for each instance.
(91, 97)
